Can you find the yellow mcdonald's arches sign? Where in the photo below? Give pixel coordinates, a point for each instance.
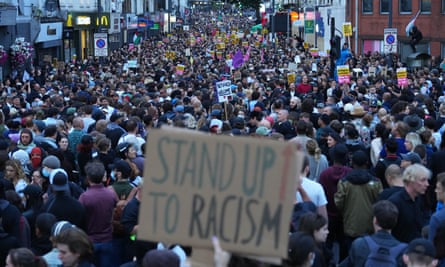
(103, 21)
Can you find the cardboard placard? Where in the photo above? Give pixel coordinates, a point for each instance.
(197, 186)
(223, 88)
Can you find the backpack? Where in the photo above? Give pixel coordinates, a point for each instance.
(382, 256)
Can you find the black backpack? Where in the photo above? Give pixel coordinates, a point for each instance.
(382, 256)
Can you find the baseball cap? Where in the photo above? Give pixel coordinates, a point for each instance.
(413, 157)
(421, 246)
(60, 182)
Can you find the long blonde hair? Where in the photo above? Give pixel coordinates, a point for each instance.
(313, 149)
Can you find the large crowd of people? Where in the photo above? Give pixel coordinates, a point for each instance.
(72, 146)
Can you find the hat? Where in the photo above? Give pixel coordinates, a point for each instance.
(161, 258)
(87, 139)
(40, 125)
(359, 158)
(216, 123)
(60, 181)
(115, 116)
(22, 156)
(60, 226)
(413, 157)
(262, 130)
(123, 167)
(179, 108)
(51, 162)
(215, 113)
(122, 147)
(358, 111)
(32, 190)
(414, 122)
(421, 246)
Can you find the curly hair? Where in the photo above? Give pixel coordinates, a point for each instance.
(17, 168)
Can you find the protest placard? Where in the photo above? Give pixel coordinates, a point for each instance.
(402, 75)
(197, 186)
(224, 91)
(343, 74)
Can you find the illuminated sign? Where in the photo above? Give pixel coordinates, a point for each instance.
(83, 20)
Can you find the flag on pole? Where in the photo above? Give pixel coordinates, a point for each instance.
(411, 23)
(136, 38)
(237, 60)
(247, 55)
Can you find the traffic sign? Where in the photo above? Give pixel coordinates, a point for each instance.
(390, 40)
(100, 44)
(309, 26)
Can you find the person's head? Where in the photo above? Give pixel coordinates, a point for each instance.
(282, 115)
(313, 149)
(25, 136)
(63, 143)
(36, 177)
(416, 178)
(126, 150)
(23, 257)
(412, 140)
(393, 173)
(122, 169)
(391, 146)
(301, 250)
(359, 159)
(338, 154)
(409, 159)
(95, 172)
(161, 258)
(74, 246)
(420, 253)
(14, 170)
(440, 187)
(49, 163)
(59, 181)
(315, 225)
(385, 214)
(333, 139)
(44, 224)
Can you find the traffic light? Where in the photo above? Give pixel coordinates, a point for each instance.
(335, 47)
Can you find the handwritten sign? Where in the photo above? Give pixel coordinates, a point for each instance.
(402, 75)
(223, 90)
(343, 74)
(239, 189)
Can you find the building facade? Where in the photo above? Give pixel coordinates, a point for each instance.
(370, 18)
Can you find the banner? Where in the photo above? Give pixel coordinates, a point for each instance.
(240, 190)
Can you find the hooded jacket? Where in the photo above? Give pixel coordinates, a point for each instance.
(356, 194)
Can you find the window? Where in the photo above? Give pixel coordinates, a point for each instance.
(425, 6)
(442, 8)
(405, 6)
(367, 6)
(384, 6)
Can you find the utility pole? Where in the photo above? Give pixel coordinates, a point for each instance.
(273, 23)
(390, 14)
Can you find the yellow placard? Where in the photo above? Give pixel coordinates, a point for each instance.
(347, 29)
(220, 46)
(291, 77)
(401, 73)
(343, 70)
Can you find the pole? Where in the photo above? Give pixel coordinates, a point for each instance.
(390, 14)
(169, 13)
(356, 27)
(332, 57)
(273, 23)
(99, 27)
(288, 27)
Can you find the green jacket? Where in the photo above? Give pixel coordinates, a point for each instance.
(356, 193)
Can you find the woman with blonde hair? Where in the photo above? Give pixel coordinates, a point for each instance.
(317, 161)
(412, 140)
(15, 174)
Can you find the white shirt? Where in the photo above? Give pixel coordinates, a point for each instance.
(315, 192)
